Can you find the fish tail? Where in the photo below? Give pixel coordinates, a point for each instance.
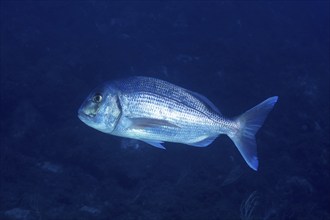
(248, 125)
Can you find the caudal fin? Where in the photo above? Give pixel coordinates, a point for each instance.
(249, 124)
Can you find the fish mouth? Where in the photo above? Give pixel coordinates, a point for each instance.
(88, 110)
(83, 116)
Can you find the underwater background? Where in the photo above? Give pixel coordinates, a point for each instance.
(53, 53)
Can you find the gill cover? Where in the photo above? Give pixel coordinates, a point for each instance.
(101, 110)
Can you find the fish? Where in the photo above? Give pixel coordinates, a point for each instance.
(156, 111)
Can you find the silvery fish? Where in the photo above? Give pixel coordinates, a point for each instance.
(156, 111)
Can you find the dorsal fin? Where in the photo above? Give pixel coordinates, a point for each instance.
(205, 100)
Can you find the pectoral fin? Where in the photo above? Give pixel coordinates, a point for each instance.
(144, 123)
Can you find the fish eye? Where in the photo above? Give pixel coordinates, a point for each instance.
(97, 98)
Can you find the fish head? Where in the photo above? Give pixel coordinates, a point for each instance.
(101, 109)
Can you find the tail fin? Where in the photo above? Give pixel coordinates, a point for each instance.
(249, 124)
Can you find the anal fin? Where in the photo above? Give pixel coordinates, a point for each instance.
(204, 143)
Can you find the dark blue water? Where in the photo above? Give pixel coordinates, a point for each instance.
(52, 166)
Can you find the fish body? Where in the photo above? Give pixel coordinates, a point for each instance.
(156, 111)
